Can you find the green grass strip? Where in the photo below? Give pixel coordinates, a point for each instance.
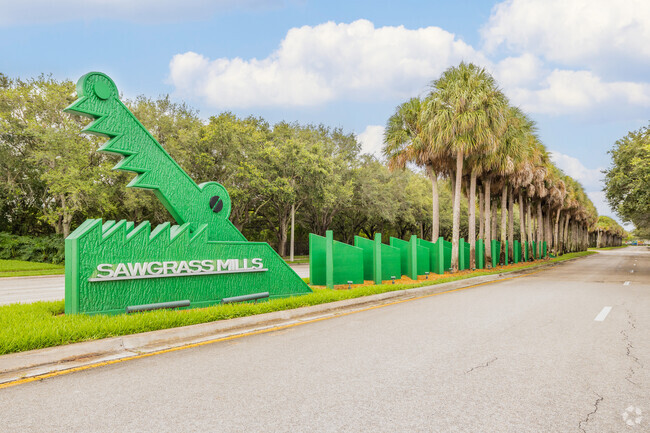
(20, 268)
(43, 324)
(297, 260)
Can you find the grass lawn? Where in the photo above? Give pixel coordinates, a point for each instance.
(43, 324)
(19, 268)
(297, 259)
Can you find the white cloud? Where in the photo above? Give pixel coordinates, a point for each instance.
(514, 72)
(48, 11)
(357, 61)
(574, 92)
(240, 83)
(372, 140)
(317, 64)
(572, 32)
(588, 177)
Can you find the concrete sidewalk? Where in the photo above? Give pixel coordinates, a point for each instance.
(79, 355)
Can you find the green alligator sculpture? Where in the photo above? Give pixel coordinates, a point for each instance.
(113, 267)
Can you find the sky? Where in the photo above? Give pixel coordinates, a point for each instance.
(579, 68)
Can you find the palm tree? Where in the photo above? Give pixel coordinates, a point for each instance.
(607, 232)
(557, 193)
(522, 178)
(516, 141)
(524, 183)
(463, 115)
(497, 169)
(404, 142)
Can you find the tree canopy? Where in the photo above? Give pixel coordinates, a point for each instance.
(627, 181)
(52, 178)
(461, 140)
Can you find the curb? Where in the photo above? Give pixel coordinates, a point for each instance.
(33, 363)
(34, 276)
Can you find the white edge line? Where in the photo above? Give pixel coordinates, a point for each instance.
(603, 313)
(627, 283)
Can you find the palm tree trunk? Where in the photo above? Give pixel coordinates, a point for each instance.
(493, 229)
(567, 246)
(481, 222)
(563, 234)
(549, 233)
(452, 179)
(540, 226)
(472, 219)
(522, 224)
(511, 222)
(504, 220)
(572, 230)
(488, 236)
(455, 237)
(556, 234)
(435, 211)
(529, 229)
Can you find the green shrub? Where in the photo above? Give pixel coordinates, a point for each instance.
(43, 249)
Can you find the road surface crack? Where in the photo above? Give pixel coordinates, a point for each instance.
(481, 365)
(628, 349)
(586, 420)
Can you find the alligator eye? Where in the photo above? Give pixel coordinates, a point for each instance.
(102, 89)
(216, 204)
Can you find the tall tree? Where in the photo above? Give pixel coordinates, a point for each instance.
(405, 142)
(627, 180)
(66, 164)
(464, 116)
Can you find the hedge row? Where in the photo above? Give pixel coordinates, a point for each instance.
(43, 249)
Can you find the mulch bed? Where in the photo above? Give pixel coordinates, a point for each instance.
(431, 277)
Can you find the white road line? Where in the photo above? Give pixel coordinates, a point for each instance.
(632, 271)
(604, 312)
(627, 283)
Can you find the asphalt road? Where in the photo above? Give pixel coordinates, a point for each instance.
(52, 288)
(522, 355)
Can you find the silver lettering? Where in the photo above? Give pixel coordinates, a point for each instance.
(137, 268)
(157, 270)
(208, 265)
(105, 267)
(195, 266)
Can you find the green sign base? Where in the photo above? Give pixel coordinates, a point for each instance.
(112, 266)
